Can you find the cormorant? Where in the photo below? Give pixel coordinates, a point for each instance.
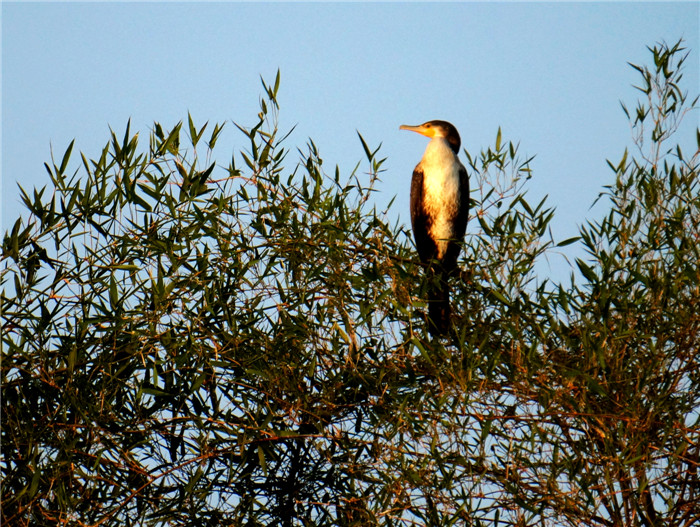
(439, 213)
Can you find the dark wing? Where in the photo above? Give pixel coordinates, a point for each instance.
(463, 215)
(420, 221)
(460, 222)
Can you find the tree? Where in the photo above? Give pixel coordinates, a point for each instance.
(185, 344)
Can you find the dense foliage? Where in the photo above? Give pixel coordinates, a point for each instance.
(187, 344)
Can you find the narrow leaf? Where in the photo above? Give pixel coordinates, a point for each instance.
(66, 157)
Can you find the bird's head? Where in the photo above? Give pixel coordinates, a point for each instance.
(437, 129)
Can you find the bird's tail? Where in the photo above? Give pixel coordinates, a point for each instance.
(439, 306)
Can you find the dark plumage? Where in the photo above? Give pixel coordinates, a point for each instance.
(439, 213)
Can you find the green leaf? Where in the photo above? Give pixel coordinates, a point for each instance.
(193, 131)
(587, 272)
(277, 84)
(568, 241)
(366, 148)
(424, 352)
(155, 392)
(486, 426)
(66, 157)
(172, 143)
(499, 296)
(113, 291)
(261, 459)
(214, 136)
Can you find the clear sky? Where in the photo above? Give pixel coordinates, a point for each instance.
(551, 75)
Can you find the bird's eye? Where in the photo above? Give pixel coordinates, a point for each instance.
(427, 125)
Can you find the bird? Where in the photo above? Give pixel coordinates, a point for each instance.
(439, 214)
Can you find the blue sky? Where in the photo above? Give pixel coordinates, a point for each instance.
(550, 75)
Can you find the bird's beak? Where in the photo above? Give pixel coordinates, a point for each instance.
(429, 132)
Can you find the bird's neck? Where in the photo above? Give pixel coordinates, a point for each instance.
(439, 154)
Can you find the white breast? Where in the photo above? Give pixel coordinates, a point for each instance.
(441, 190)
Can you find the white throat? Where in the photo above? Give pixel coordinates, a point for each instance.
(441, 190)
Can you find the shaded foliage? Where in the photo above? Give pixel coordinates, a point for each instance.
(188, 344)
